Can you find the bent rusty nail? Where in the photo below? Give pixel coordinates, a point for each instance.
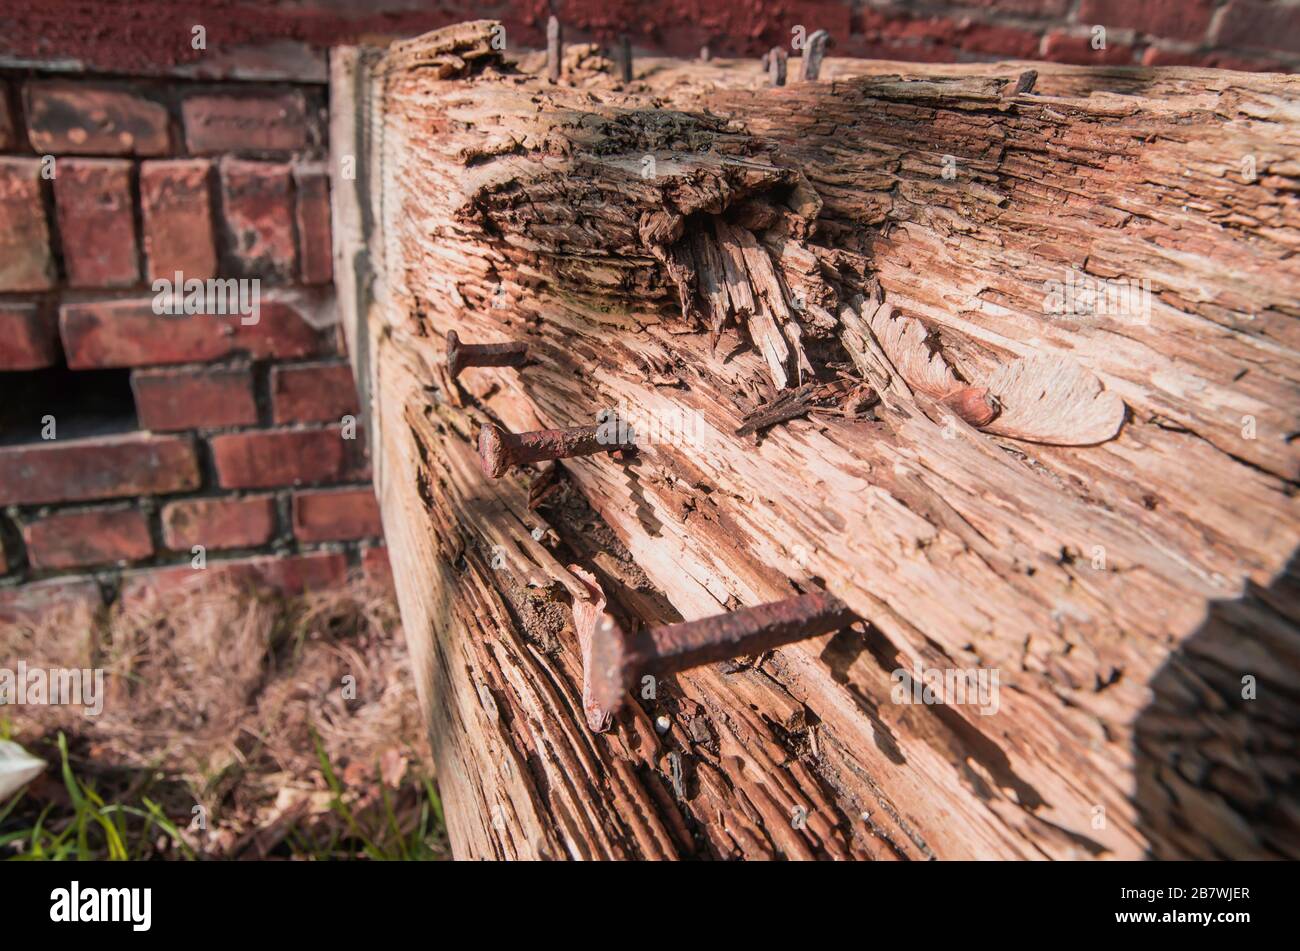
(618, 659)
(462, 355)
(1025, 84)
(499, 450)
(625, 46)
(814, 50)
(592, 622)
(777, 61)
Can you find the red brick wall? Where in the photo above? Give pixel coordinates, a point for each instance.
(288, 38)
(244, 440)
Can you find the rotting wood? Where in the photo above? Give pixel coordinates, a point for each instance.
(1122, 590)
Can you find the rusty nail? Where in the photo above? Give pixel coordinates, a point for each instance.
(973, 404)
(777, 61)
(626, 47)
(554, 44)
(591, 621)
(1025, 84)
(617, 660)
(499, 450)
(813, 50)
(462, 355)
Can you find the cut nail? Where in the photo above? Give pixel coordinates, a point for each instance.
(619, 659)
(777, 63)
(500, 450)
(462, 355)
(814, 51)
(591, 621)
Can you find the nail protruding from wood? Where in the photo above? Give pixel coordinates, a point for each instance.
(591, 621)
(554, 47)
(462, 355)
(776, 61)
(973, 404)
(1025, 84)
(814, 51)
(500, 450)
(618, 660)
(625, 57)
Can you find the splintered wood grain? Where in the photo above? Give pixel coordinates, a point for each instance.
(487, 606)
(1120, 591)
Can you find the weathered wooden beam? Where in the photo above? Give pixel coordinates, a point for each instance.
(1095, 504)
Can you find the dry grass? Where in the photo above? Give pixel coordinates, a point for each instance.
(293, 723)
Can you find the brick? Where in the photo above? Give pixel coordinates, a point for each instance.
(1067, 48)
(246, 123)
(97, 222)
(75, 539)
(29, 336)
(257, 205)
(1256, 25)
(176, 209)
(1171, 19)
(312, 394)
(128, 333)
(881, 47)
(259, 460)
(75, 118)
(312, 198)
(101, 468)
(292, 574)
(998, 40)
(1208, 59)
(1054, 9)
(219, 523)
(336, 516)
(31, 603)
(26, 263)
(894, 24)
(194, 398)
(375, 567)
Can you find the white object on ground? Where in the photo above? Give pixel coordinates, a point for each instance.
(17, 768)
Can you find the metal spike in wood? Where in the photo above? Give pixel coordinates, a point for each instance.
(625, 48)
(814, 51)
(591, 621)
(554, 47)
(618, 660)
(462, 355)
(499, 450)
(777, 63)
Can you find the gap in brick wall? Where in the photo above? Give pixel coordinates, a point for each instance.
(82, 402)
